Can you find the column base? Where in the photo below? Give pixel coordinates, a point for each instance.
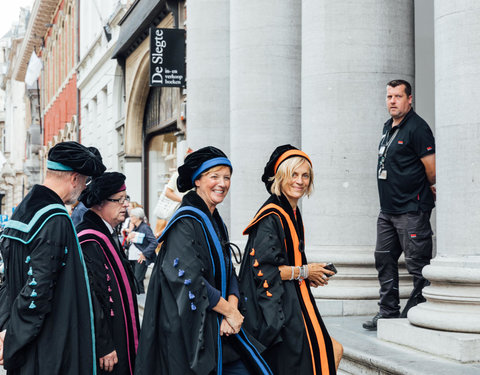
(354, 290)
(453, 298)
(462, 347)
(350, 307)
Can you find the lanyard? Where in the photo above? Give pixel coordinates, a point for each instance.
(383, 153)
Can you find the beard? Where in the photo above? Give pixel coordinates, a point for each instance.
(73, 197)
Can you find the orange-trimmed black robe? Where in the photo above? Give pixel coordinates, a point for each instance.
(282, 315)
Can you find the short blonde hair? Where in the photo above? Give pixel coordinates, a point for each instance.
(285, 171)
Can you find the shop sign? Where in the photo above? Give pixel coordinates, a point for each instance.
(167, 57)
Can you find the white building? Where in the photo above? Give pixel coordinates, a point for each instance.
(101, 81)
(16, 176)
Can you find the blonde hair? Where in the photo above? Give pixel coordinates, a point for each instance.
(285, 172)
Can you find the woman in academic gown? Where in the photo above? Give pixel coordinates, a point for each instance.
(191, 322)
(275, 279)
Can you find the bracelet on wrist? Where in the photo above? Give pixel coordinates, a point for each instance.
(299, 273)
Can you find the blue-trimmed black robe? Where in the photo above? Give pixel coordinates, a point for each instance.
(180, 335)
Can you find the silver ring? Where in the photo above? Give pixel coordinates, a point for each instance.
(324, 277)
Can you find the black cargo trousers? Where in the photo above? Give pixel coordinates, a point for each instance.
(411, 233)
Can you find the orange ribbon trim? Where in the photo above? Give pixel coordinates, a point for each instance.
(288, 154)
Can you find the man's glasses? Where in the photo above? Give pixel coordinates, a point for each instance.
(121, 200)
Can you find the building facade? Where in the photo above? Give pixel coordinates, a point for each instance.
(58, 82)
(154, 128)
(52, 34)
(19, 165)
(101, 80)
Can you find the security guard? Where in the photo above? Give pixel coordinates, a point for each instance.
(406, 186)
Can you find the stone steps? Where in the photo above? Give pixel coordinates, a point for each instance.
(364, 354)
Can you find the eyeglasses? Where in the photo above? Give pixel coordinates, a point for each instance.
(121, 200)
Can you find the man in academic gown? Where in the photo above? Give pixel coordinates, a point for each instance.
(110, 274)
(45, 310)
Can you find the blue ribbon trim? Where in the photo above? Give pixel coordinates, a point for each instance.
(242, 337)
(58, 166)
(209, 164)
(205, 223)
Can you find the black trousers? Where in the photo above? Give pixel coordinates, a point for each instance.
(412, 234)
(139, 270)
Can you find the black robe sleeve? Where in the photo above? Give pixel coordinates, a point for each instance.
(265, 252)
(94, 261)
(33, 302)
(184, 268)
(4, 305)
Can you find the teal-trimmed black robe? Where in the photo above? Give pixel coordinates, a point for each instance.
(45, 303)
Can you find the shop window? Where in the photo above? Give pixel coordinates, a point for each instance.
(161, 162)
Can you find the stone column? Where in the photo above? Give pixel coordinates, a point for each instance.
(265, 53)
(208, 78)
(448, 324)
(350, 50)
(453, 299)
(208, 86)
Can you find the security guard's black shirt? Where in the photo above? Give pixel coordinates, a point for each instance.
(406, 188)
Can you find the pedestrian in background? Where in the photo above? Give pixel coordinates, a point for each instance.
(275, 278)
(143, 242)
(127, 226)
(111, 277)
(406, 187)
(78, 210)
(45, 309)
(168, 202)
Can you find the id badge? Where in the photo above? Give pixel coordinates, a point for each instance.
(382, 174)
(381, 151)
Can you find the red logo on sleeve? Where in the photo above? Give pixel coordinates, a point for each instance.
(413, 235)
(429, 148)
(400, 142)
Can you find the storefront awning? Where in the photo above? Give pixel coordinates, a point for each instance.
(135, 25)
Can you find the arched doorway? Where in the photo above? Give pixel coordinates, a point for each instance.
(160, 143)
